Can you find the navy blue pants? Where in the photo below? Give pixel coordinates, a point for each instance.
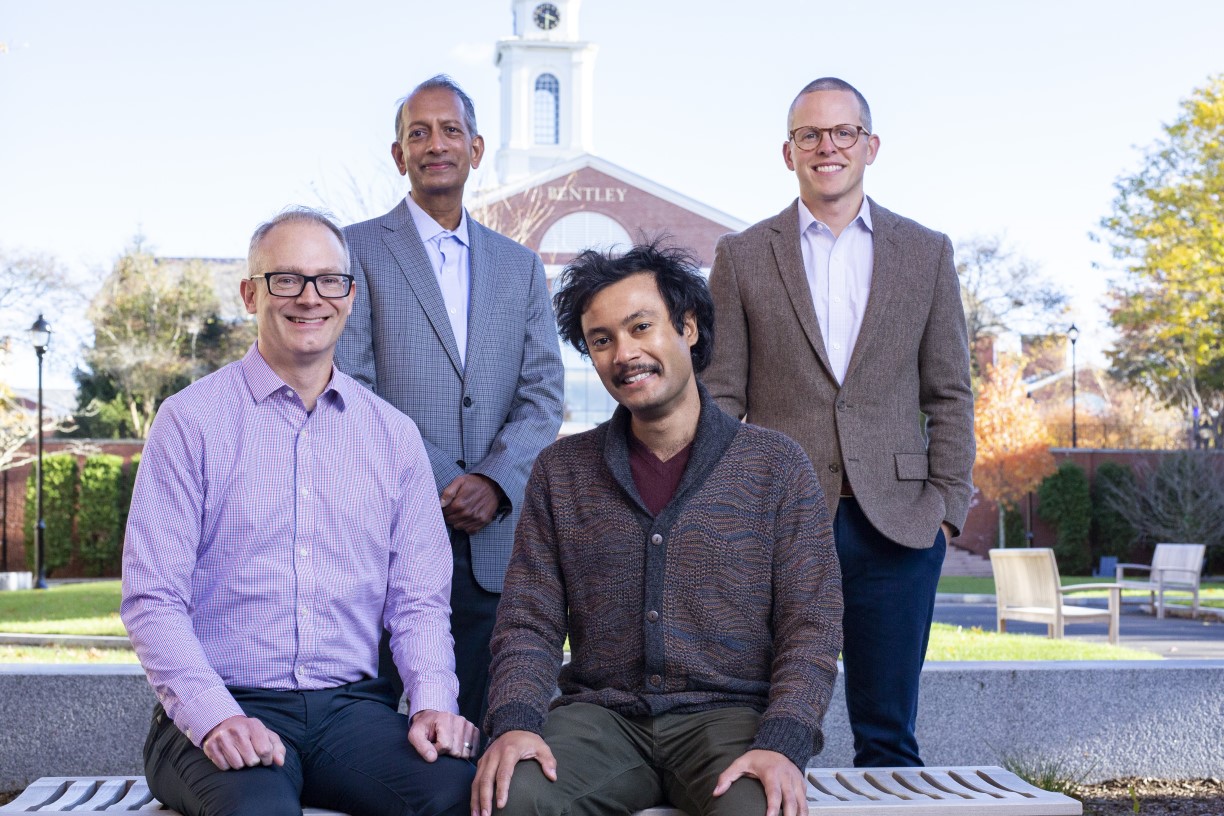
(889, 593)
(346, 749)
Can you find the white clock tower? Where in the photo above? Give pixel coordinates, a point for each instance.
(547, 76)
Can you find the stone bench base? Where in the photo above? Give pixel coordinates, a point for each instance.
(963, 791)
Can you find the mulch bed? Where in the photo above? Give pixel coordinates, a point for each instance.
(1156, 797)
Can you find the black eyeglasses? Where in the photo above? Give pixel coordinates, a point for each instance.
(291, 284)
(842, 136)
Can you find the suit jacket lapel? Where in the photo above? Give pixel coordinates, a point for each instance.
(404, 243)
(789, 257)
(886, 280)
(483, 286)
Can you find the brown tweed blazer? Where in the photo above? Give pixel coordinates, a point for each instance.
(900, 427)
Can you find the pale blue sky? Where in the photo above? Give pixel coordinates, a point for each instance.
(193, 122)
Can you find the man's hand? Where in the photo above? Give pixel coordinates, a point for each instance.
(437, 732)
(947, 531)
(243, 742)
(785, 790)
(470, 502)
(497, 766)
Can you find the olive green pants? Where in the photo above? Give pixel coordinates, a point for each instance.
(608, 764)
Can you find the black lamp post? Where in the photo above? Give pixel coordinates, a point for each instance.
(1073, 335)
(40, 338)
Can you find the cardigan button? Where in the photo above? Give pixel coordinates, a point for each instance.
(656, 539)
(652, 616)
(656, 680)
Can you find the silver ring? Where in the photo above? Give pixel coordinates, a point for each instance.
(467, 746)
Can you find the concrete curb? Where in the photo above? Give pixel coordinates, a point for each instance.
(80, 641)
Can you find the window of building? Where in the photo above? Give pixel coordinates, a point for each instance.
(584, 230)
(547, 110)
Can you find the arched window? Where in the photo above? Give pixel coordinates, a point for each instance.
(547, 110)
(577, 231)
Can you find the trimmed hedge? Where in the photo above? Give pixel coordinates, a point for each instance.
(125, 501)
(1066, 503)
(99, 535)
(59, 509)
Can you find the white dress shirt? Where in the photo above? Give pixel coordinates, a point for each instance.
(839, 276)
(448, 254)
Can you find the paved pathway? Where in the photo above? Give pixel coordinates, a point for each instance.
(1170, 637)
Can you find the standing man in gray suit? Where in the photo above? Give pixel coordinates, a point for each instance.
(452, 325)
(840, 324)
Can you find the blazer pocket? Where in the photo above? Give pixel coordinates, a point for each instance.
(911, 465)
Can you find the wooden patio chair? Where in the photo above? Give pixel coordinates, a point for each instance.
(1027, 589)
(1176, 567)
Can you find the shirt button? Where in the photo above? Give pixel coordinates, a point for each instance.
(656, 680)
(301, 671)
(305, 553)
(304, 434)
(652, 616)
(837, 346)
(656, 539)
(467, 402)
(834, 468)
(305, 492)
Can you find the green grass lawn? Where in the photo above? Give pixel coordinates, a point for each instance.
(957, 643)
(1211, 593)
(64, 654)
(93, 609)
(64, 609)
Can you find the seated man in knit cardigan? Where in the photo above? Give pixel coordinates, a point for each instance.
(689, 559)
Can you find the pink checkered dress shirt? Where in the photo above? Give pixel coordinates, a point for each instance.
(267, 547)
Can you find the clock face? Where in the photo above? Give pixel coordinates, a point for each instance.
(546, 16)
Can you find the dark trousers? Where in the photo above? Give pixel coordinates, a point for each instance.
(473, 613)
(346, 749)
(889, 593)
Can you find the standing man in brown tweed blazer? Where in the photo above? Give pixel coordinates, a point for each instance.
(840, 324)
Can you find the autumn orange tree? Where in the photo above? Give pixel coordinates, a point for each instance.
(1013, 443)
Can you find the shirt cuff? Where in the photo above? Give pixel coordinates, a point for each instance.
(431, 696)
(204, 712)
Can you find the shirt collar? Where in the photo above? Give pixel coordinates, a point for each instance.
(263, 382)
(806, 219)
(429, 229)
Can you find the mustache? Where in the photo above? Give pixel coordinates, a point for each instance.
(625, 372)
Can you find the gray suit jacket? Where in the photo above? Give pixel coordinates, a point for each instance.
(492, 416)
(900, 427)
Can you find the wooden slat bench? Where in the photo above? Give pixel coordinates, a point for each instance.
(961, 791)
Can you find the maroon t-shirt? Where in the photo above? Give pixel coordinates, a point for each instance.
(656, 480)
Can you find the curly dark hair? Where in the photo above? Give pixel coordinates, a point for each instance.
(676, 273)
